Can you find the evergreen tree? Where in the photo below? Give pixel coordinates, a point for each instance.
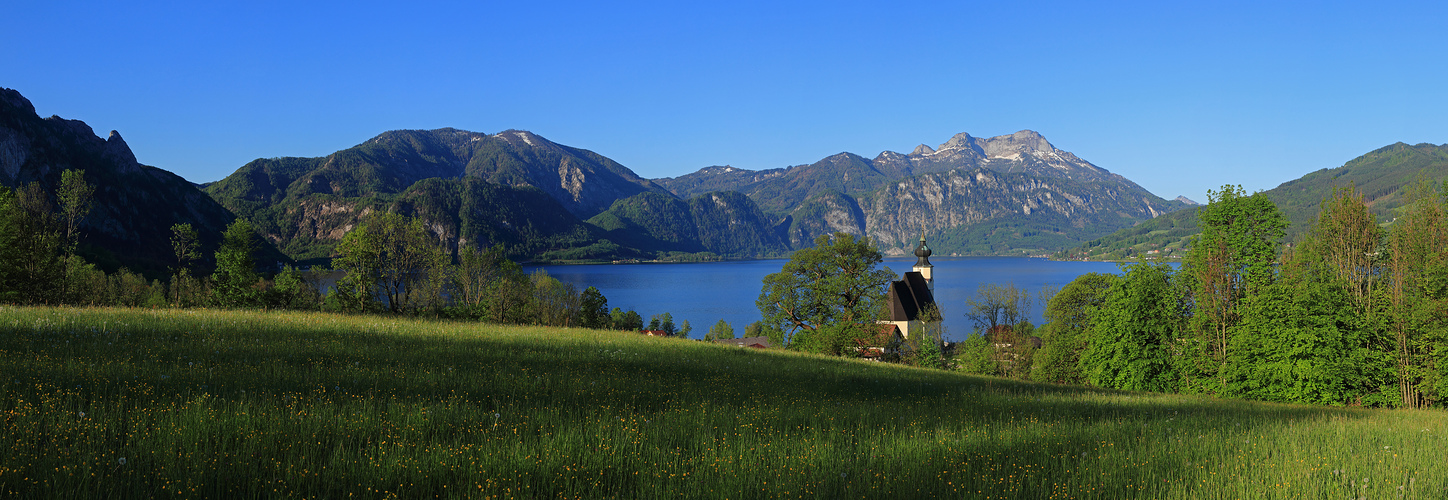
(720, 331)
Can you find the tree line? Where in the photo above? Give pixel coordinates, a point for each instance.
(390, 264)
(1354, 312)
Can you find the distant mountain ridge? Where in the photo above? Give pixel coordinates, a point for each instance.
(582, 181)
(513, 188)
(1022, 152)
(1008, 194)
(999, 195)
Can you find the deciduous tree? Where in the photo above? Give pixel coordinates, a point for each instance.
(1232, 257)
(1419, 295)
(1130, 339)
(235, 278)
(836, 282)
(1069, 314)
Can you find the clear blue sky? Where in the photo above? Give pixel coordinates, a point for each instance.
(1178, 96)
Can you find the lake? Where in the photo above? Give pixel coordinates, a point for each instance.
(703, 293)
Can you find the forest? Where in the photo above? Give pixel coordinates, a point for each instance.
(1354, 312)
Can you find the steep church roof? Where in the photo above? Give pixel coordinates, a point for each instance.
(909, 296)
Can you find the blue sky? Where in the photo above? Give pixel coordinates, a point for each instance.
(1177, 96)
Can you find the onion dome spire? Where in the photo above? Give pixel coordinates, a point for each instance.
(923, 252)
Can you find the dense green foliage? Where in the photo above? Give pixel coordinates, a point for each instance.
(117, 403)
(1233, 258)
(720, 331)
(826, 296)
(390, 263)
(1130, 338)
(1070, 313)
(1355, 314)
(235, 269)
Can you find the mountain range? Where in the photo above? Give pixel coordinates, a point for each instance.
(1011, 194)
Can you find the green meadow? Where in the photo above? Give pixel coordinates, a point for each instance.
(133, 403)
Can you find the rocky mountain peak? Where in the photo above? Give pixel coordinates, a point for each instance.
(1186, 200)
(11, 98)
(524, 137)
(922, 150)
(1025, 141)
(118, 150)
(958, 141)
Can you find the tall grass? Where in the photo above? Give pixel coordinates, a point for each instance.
(167, 403)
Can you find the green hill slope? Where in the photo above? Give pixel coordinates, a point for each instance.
(1380, 175)
(162, 403)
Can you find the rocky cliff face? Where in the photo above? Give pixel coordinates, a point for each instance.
(1032, 209)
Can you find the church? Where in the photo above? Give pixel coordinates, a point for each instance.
(912, 294)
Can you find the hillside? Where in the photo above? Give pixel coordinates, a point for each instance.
(722, 223)
(160, 403)
(1380, 175)
(135, 205)
(513, 188)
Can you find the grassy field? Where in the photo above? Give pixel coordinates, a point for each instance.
(160, 403)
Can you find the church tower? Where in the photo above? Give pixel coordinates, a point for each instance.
(922, 265)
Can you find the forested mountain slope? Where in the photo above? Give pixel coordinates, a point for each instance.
(513, 188)
(1380, 175)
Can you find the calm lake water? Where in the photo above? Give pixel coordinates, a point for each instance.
(704, 293)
